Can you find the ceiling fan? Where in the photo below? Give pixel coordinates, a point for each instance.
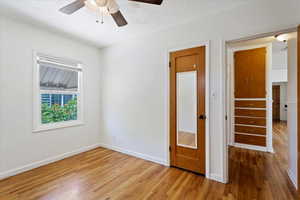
(109, 6)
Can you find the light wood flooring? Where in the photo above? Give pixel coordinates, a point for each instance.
(102, 174)
(280, 142)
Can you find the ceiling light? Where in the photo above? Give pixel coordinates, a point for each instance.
(92, 5)
(105, 7)
(282, 37)
(99, 7)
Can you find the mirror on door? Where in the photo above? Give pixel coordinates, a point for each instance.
(187, 109)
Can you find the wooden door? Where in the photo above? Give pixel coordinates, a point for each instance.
(250, 73)
(187, 109)
(276, 102)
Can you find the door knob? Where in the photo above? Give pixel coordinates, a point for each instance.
(202, 117)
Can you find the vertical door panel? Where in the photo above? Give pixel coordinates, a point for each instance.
(250, 73)
(276, 102)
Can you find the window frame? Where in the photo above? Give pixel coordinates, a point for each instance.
(60, 63)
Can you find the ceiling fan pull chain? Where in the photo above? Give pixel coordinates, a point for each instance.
(98, 16)
(102, 17)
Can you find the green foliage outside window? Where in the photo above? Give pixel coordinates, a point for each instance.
(57, 113)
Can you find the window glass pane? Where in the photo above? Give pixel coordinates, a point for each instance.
(53, 78)
(58, 107)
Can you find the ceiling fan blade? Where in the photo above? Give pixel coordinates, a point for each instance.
(119, 19)
(157, 2)
(72, 7)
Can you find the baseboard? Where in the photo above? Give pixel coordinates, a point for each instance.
(292, 178)
(217, 177)
(250, 147)
(271, 150)
(135, 154)
(34, 165)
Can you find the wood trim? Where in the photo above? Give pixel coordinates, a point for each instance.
(250, 130)
(250, 139)
(250, 113)
(250, 104)
(298, 105)
(251, 121)
(172, 110)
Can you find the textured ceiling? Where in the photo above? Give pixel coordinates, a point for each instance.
(142, 18)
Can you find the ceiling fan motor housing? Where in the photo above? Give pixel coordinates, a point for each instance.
(101, 3)
(111, 5)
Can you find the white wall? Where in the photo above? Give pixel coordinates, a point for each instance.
(279, 59)
(135, 79)
(19, 146)
(279, 63)
(292, 108)
(279, 75)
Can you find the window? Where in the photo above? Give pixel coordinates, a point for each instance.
(57, 99)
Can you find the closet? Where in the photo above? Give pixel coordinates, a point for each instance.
(250, 107)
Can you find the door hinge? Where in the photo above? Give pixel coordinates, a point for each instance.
(170, 148)
(226, 117)
(170, 65)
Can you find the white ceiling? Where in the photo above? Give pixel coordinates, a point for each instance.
(142, 18)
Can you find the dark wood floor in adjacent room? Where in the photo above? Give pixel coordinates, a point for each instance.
(105, 174)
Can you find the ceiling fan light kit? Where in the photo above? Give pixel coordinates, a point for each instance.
(103, 7)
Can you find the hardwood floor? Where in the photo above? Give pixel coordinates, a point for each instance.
(108, 175)
(280, 142)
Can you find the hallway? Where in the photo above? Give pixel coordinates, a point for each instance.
(280, 142)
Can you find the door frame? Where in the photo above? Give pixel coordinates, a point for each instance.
(230, 97)
(207, 95)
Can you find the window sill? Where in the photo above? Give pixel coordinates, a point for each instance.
(59, 125)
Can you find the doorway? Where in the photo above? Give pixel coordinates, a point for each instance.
(250, 96)
(188, 109)
(278, 106)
